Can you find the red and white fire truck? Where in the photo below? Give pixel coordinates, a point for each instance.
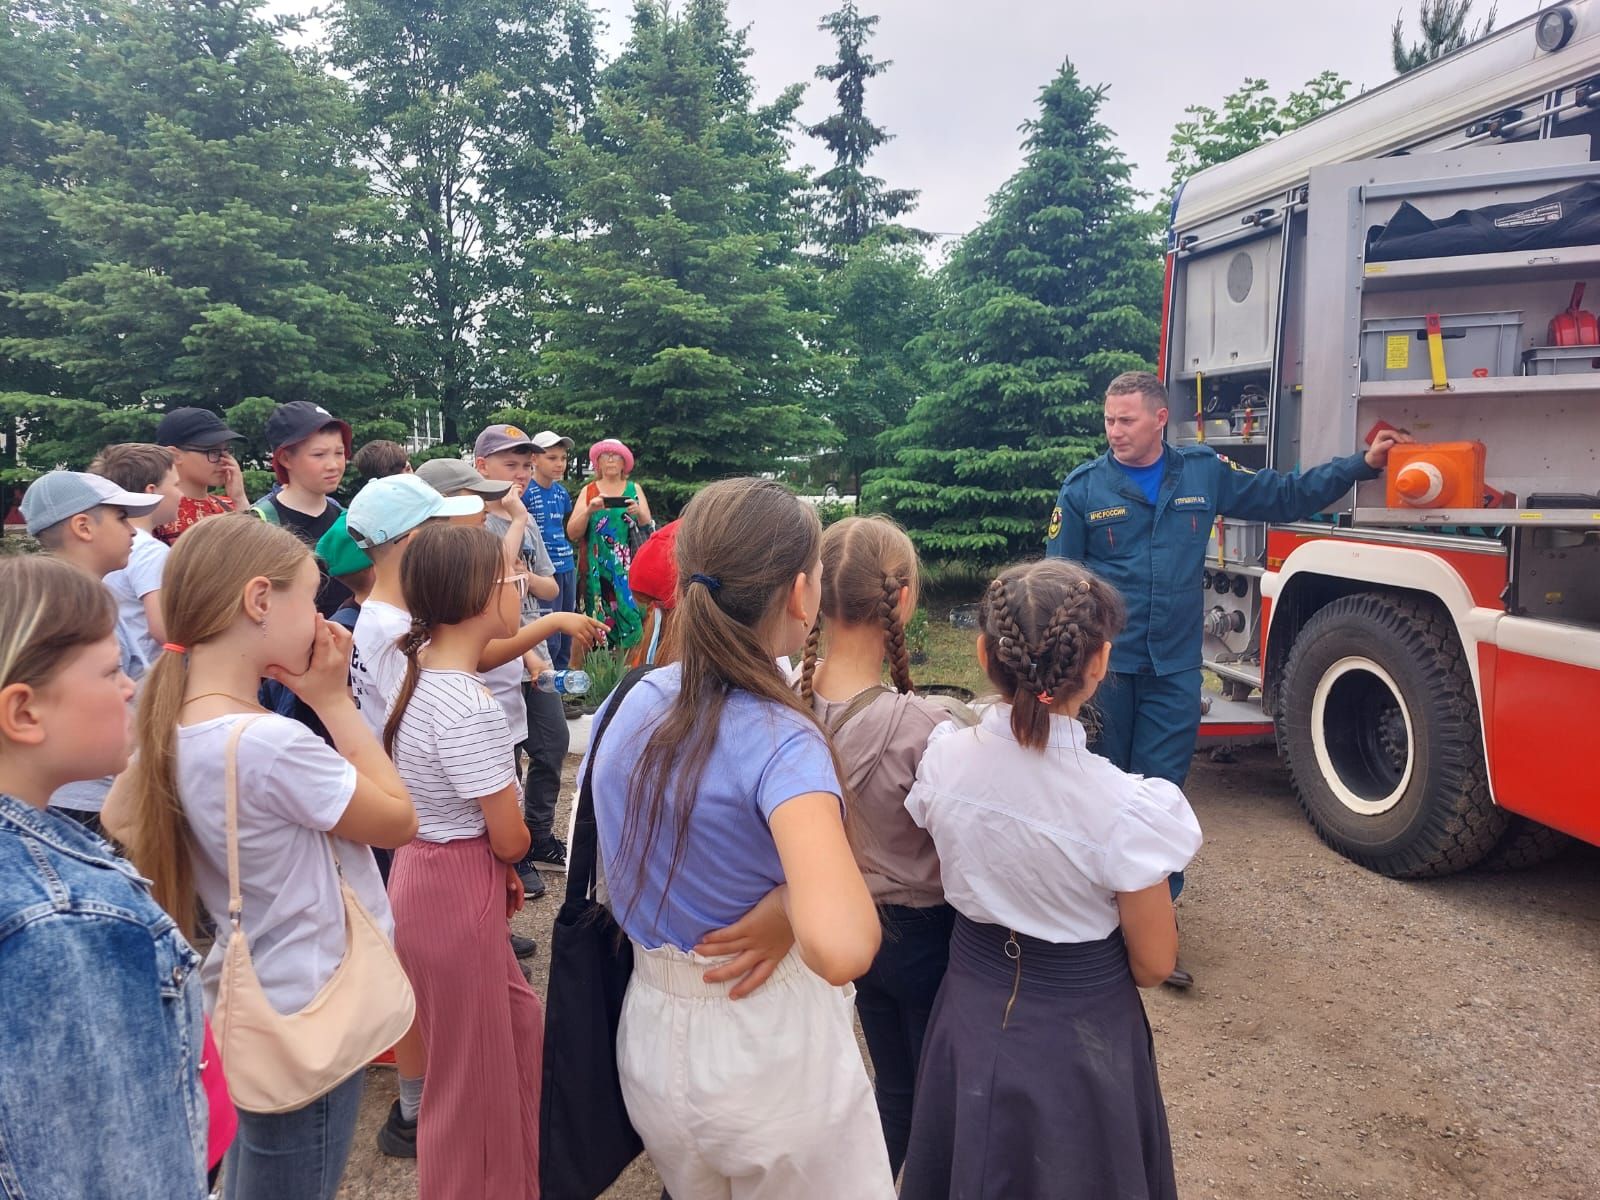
(1427, 652)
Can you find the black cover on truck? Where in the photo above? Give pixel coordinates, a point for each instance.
(1565, 218)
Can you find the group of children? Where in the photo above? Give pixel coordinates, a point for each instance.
(780, 845)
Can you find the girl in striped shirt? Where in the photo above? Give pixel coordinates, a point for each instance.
(454, 886)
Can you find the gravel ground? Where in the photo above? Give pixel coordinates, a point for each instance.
(1350, 1037)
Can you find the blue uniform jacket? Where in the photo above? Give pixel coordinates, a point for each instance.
(1155, 556)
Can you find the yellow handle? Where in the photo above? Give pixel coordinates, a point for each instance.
(1199, 407)
(1436, 353)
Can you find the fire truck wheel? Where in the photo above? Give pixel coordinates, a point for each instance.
(1380, 730)
(1525, 844)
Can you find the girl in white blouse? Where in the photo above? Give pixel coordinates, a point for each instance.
(1038, 1075)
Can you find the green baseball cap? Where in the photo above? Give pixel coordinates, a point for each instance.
(339, 551)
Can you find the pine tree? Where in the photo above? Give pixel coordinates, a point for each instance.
(37, 86)
(678, 306)
(853, 203)
(1444, 28)
(879, 301)
(1051, 296)
(459, 103)
(226, 234)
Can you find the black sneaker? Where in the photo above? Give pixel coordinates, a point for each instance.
(397, 1137)
(532, 884)
(571, 707)
(548, 854)
(523, 947)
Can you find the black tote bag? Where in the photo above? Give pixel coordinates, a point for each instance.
(585, 1137)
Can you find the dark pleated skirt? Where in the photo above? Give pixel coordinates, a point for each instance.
(1057, 1099)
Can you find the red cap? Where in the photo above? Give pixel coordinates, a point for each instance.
(654, 573)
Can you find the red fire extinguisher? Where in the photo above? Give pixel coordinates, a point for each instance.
(1575, 326)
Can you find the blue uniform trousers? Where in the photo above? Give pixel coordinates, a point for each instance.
(1148, 725)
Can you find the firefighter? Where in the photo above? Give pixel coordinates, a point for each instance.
(1140, 517)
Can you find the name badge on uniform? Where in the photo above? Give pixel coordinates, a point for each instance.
(1190, 501)
(1107, 514)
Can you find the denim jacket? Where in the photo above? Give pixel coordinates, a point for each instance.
(100, 1094)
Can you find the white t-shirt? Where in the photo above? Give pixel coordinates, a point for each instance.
(452, 748)
(293, 787)
(1042, 841)
(129, 587)
(377, 668)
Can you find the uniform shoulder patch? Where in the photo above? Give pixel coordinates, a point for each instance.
(1055, 524)
(1234, 466)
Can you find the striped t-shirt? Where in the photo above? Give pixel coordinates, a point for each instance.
(452, 749)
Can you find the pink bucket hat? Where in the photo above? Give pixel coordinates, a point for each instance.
(611, 446)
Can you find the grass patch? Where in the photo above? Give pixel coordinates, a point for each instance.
(952, 657)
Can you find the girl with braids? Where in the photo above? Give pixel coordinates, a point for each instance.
(722, 840)
(1038, 1076)
(869, 591)
(454, 886)
(238, 601)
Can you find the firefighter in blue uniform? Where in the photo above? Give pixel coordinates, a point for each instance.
(1140, 517)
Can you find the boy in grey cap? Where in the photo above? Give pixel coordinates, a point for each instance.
(83, 519)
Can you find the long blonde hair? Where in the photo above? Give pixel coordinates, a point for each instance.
(865, 563)
(201, 591)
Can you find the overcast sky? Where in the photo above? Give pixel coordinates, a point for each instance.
(966, 73)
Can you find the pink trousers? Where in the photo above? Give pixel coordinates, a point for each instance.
(483, 1026)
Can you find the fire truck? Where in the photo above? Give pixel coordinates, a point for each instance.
(1426, 652)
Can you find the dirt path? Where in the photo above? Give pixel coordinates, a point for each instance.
(1350, 1036)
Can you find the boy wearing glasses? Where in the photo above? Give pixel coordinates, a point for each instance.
(199, 442)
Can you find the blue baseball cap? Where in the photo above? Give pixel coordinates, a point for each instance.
(391, 507)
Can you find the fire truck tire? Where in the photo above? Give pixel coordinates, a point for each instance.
(1380, 731)
(1525, 844)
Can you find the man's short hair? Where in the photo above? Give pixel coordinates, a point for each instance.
(1139, 383)
(134, 466)
(379, 460)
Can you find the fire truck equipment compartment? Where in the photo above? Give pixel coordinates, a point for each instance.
(1474, 344)
(1561, 360)
(1566, 218)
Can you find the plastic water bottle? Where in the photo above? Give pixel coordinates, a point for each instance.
(567, 683)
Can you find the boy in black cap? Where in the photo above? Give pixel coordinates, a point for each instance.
(199, 443)
(310, 447)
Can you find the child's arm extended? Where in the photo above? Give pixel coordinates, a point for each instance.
(584, 630)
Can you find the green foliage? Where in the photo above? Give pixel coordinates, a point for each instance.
(855, 204)
(680, 315)
(1053, 295)
(222, 234)
(605, 668)
(1248, 117)
(1443, 24)
(458, 104)
(830, 512)
(916, 632)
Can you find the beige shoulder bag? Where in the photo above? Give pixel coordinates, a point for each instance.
(278, 1062)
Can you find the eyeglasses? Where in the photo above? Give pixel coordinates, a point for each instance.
(522, 584)
(214, 454)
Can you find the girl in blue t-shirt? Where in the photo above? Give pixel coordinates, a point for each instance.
(723, 844)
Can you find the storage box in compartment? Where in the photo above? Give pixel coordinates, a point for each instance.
(1561, 360)
(1397, 347)
(1242, 541)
